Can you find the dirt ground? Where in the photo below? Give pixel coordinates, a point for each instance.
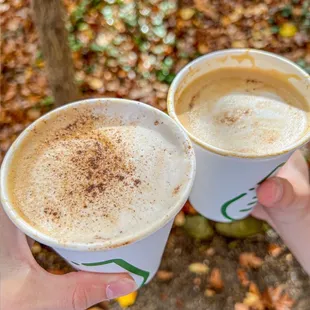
(181, 292)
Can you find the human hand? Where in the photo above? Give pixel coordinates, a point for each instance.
(285, 205)
(24, 285)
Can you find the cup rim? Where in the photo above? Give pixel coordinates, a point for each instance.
(39, 236)
(174, 86)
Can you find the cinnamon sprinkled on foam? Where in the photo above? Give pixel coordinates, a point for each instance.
(81, 177)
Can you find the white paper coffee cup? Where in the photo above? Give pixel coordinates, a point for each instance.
(225, 183)
(137, 254)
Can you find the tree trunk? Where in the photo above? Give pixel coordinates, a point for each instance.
(49, 17)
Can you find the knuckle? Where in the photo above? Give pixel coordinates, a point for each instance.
(79, 298)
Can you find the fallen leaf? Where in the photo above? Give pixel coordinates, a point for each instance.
(250, 260)
(210, 252)
(127, 300)
(243, 277)
(95, 83)
(198, 227)
(240, 306)
(254, 289)
(289, 257)
(10, 93)
(179, 220)
(287, 30)
(209, 293)
(215, 279)
(274, 250)
(36, 248)
(164, 275)
(276, 298)
(188, 209)
(253, 298)
(253, 301)
(198, 268)
(206, 7)
(33, 114)
(187, 13)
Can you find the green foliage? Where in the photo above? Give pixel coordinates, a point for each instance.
(198, 227)
(74, 43)
(47, 101)
(240, 229)
(287, 11)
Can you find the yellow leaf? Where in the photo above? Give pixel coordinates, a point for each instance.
(187, 13)
(198, 268)
(127, 300)
(288, 30)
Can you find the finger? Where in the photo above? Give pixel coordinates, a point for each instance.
(80, 290)
(14, 246)
(30, 242)
(276, 192)
(259, 212)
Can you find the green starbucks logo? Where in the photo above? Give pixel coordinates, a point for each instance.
(123, 264)
(251, 192)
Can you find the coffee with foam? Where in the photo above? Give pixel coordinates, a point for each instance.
(97, 172)
(248, 111)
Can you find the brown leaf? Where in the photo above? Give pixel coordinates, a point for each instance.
(209, 293)
(243, 277)
(254, 289)
(210, 252)
(253, 298)
(240, 306)
(205, 7)
(280, 299)
(188, 208)
(250, 260)
(274, 250)
(198, 268)
(215, 280)
(10, 93)
(253, 301)
(179, 219)
(164, 275)
(267, 299)
(13, 24)
(95, 83)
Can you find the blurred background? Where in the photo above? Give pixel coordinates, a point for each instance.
(133, 49)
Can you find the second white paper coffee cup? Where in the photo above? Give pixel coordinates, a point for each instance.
(225, 183)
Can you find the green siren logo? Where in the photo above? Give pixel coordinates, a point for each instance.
(121, 263)
(236, 201)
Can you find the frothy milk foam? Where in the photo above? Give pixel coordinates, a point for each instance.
(249, 111)
(90, 174)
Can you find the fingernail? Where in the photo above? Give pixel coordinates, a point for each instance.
(120, 288)
(277, 190)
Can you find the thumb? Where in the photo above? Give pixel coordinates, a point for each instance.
(276, 193)
(80, 290)
(283, 203)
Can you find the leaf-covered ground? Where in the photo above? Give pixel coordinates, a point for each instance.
(134, 49)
